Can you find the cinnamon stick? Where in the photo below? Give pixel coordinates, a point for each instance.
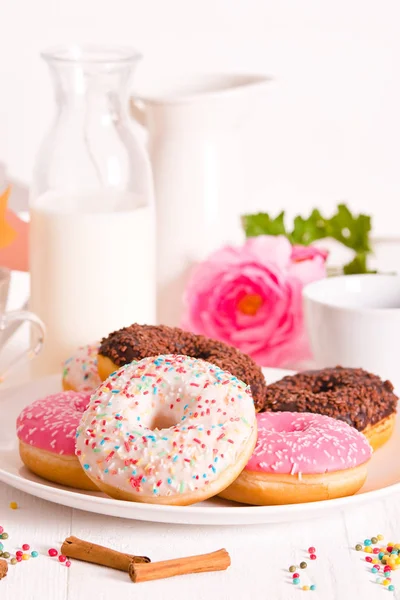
(202, 563)
(75, 548)
(3, 568)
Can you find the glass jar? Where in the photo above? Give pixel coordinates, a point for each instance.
(92, 256)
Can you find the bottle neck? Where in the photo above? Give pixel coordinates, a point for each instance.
(93, 90)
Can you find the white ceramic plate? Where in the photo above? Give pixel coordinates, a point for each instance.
(383, 478)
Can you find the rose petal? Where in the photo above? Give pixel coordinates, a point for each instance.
(268, 267)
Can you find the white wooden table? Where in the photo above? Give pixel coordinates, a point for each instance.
(260, 555)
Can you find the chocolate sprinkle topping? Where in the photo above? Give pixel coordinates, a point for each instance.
(353, 395)
(139, 341)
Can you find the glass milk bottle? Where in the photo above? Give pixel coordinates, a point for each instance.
(92, 256)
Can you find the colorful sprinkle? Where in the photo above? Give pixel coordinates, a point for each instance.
(34, 553)
(184, 457)
(62, 558)
(80, 371)
(303, 565)
(13, 505)
(26, 547)
(52, 552)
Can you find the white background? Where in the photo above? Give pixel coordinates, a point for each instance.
(329, 132)
(330, 128)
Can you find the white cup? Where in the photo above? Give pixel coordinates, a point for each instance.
(354, 321)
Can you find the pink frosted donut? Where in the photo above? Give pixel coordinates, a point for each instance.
(46, 430)
(301, 457)
(80, 371)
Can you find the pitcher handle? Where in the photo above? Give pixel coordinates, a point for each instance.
(138, 111)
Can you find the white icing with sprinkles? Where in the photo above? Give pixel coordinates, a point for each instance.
(80, 370)
(166, 425)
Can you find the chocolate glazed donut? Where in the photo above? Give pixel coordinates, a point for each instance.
(140, 341)
(355, 396)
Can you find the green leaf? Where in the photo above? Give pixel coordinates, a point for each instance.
(262, 224)
(357, 265)
(350, 230)
(309, 230)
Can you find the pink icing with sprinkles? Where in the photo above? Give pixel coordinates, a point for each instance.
(51, 422)
(294, 443)
(80, 370)
(166, 425)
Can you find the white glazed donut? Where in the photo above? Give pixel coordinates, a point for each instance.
(167, 430)
(80, 372)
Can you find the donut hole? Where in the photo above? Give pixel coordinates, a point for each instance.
(286, 425)
(162, 420)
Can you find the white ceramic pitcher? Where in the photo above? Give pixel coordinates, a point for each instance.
(195, 144)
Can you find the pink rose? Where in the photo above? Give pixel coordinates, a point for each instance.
(250, 297)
